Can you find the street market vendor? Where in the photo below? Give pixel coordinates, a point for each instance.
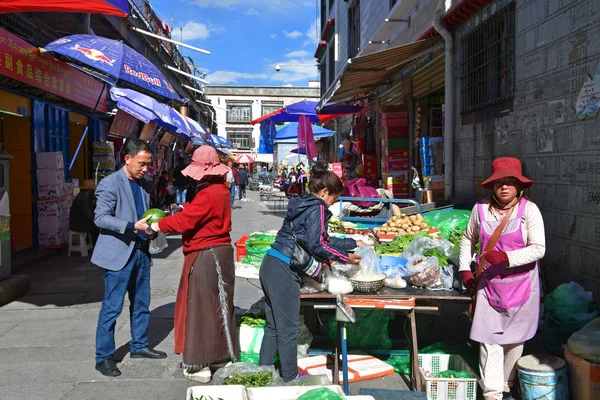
(507, 281)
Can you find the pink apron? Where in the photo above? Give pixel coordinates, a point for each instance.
(507, 308)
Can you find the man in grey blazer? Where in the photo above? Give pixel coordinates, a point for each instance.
(122, 250)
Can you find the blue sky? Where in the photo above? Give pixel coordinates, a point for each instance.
(247, 38)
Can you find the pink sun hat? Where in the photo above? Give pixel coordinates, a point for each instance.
(205, 162)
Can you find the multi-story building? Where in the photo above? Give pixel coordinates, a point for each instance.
(488, 79)
(236, 106)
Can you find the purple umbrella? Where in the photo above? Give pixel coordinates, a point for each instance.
(115, 63)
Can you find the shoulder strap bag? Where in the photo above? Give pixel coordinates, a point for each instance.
(489, 247)
(302, 258)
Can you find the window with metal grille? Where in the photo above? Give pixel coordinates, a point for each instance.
(354, 29)
(269, 108)
(488, 62)
(239, 113)
(240, 139)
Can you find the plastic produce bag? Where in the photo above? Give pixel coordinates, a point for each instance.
(338, 284)
(369, 263)
(257, 246)
(447, 276)
(370, 331)
(424, 272)
(585, 343)
(245, 369)
(421, 244)
(305, 338)
(320, 394)
(159, 244)
(568, 309)
(394, 277)
(448, 219)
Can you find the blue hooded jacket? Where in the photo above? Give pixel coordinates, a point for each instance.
(310, 216)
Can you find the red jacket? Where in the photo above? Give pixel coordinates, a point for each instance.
(205, 222)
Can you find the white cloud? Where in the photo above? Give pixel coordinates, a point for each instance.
(252, 11)
(288, 85)
(231, 77)
(293, 34)
(272, 6)
(297, 54)
(274, 36)
(193, 30)
(299, 74)
(312, 34)
(216, 3)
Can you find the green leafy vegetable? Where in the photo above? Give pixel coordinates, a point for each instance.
(252, 322)
(256, 379)
(440, 256)
(207, 397)
(398, 245)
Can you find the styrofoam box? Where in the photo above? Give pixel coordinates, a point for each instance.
(50, 160)
(286, 392)
(50, 177)
(50, 208)
(229, 392)
(52, 240)
(53, 224)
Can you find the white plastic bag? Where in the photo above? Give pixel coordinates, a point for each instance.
(423, 243)
(585, 343)
(159, 244)
(369, 264)
(338, 284)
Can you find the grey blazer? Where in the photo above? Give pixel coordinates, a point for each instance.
(115, 208)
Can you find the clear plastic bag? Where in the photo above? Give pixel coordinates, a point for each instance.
(424, 272)
(369, 264)
(305, 338)
(447, 276)
(394, 277)
(338, 284)
(244, 369)
(423, 243)
(159, 244)
(345, 269)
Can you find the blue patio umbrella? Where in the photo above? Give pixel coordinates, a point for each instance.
(198, 132)
(299, 150)
(113, 62)
(221, 142)
(290, 131)
(267, 136)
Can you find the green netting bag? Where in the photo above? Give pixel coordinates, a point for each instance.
(447, 220)
(369, 332)
(257, 246)
(401, 364)
(321, 394)
(455, 374)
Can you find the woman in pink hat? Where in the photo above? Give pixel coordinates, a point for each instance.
(510, 231)
(205, 326)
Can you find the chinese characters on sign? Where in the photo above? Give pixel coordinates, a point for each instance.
(123, 124)
(23, 62)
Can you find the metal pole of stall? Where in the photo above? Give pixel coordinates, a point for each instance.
(86, 130)
(345, 359)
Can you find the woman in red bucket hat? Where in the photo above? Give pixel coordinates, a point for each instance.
(205, 325)
(510, 231)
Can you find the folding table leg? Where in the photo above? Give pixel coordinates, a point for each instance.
(345, 359)
(414, 352)
(336, 363)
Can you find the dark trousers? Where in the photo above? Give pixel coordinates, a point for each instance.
(281, 285)
(242, 191)
(134, 278)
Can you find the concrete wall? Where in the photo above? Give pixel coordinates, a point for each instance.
(219, 95)
(557, 43)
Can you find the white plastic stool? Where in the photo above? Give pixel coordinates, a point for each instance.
(82, 245)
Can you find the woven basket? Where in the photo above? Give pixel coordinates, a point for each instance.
(367, 286)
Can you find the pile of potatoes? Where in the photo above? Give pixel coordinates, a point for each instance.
(404, 225)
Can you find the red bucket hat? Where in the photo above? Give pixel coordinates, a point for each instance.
(205, 162)
(505, 167)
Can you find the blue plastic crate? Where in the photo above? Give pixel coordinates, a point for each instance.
(428, 141)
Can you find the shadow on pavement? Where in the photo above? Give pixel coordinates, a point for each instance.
(161, 325)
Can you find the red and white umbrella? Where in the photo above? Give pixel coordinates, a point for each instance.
(244, 159)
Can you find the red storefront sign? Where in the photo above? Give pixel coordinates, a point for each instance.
(123, 124)
(337, 169)
(23, 62)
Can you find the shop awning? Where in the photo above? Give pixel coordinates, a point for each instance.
(290, 131)
(264, 158)
(119, 8)
(365, 73)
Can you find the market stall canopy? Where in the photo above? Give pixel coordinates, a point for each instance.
(221, 141)
(244, 159)
(115, 63)
(198, 132)
(292, 112)
(299, 150)
(147, 109)
(120, 8)
(365, 73)
(290, 131)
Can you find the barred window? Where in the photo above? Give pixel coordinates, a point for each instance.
(488, 62)
(354, 29)
(240, 139)
(269, 108)
(239, 113)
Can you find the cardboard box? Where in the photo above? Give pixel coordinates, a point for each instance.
(53, 192)
(398, 178)
(584, 377)
(51, 208)
(50, 160)
(397, 154)
(398, 165)
(53, 224)
(50, 177)
(52, 240)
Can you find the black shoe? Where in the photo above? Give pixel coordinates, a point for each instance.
(149, 353)
(108, 368)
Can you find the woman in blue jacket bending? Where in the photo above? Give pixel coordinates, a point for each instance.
(309, 215)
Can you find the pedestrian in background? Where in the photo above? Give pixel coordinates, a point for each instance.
(507, 306)
(181, 183)
(205, 326)
(122, 250)
(243, 172)
(81, 215)
(309, 215)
